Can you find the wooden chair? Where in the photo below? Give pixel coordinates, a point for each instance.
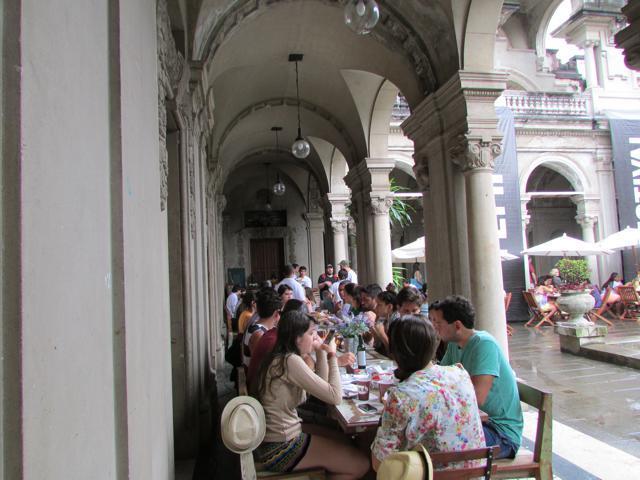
(597, 313)
(507, 302)
(631, 302)
(485, 471)
(316, 295)
(537, 315)
(538, 463)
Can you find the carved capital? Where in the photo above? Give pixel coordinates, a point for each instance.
(339, 225)
(474, 153)
(586, 221)
(380, 205)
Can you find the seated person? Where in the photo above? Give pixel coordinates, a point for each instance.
(268, 304)
(386, 306)
(613, 282)
(409, 301)
(433, 405)
(542, 291)
(284, 379)
(492, 376)
(327, 301)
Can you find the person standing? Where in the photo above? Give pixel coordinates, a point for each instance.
(232, 302)
(493, 378)
(352, 276)
(303, 278)
(290, 281)
(327, 278)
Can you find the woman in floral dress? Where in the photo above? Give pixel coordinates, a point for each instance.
(434, 406)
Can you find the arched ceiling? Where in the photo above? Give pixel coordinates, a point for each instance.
(244, 46)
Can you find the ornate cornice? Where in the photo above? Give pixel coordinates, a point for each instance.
(560, 132)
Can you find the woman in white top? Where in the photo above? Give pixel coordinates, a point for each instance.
(283, 382)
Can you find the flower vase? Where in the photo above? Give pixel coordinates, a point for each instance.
(351, 345)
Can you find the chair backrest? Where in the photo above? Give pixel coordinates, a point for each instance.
(484, 471)
(542, 401)
(628, 294)
(607, 294)
(507, 301)
(316, 295)
(532, 303)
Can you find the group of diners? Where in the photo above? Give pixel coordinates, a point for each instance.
(436, 402)
(548, 289)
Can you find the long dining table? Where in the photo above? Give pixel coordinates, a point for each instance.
(352, 419)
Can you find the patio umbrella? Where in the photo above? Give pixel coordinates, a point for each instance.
(506, 256)
(566, 246)
(622, 240)
(409, 253)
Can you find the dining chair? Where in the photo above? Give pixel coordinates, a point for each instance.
(597, 313)
(630, 301)
(537, 315)
(507, 303)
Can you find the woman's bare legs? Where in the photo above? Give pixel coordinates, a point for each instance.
(332, 451)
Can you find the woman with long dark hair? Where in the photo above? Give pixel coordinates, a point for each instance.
(284, 379)
(433, 406)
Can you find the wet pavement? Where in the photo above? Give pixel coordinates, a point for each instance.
(595, 398)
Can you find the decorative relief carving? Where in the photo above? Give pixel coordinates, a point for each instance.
(339, 225)
(163, 153)
(380, 205)
(474, 153)
(421, 171)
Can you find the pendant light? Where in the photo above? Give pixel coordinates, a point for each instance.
(361, 15)
(300, 147)
(267, 205)
(278, 188)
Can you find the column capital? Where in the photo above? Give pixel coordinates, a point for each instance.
(381, 204)
(339, 225)
(474, 153)
(586, 221)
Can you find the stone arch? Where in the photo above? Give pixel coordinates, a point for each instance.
(378, 135)
(525, 82)
(480, 25)
(563, 166)
(541, 31)
(351, 152)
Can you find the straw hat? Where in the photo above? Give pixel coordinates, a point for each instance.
(412, 465)
(242, 424)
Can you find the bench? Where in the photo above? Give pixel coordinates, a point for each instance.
(535, 464)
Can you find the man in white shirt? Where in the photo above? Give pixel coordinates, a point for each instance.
(232, 302)
(289, 280)
(303, 279)
(352, 276)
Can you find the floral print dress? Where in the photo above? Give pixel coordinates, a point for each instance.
(435, 407)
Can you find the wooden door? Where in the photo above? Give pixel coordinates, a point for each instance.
(267, 258)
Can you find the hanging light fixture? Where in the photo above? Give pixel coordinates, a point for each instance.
(300, 147)
(278, 188)
(267, 205)
(361, 15)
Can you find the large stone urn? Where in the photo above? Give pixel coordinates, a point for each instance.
(576, 303)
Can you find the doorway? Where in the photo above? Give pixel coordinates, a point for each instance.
(267, 258)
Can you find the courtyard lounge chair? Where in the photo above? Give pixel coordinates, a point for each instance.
(537, 315)
(631, 302)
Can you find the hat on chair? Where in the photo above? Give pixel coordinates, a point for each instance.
(242, 424)
(411, 465)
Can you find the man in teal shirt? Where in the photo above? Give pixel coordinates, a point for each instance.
(492, 376)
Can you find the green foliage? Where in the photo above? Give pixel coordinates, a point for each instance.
(398, 276)
(400, 211)
(574, 271)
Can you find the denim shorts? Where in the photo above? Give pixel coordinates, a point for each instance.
(492, 437)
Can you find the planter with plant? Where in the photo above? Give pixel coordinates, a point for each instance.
(575, 298)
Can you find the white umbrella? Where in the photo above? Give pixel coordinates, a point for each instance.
(566, 246)
(411, 252)
(506, 256)
(627, 238)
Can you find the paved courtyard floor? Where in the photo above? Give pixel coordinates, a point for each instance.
(596, 405)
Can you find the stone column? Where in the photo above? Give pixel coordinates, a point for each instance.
(315, 228)
(380, 206)
(351, 240)
(339, 227)
(587, 223)
(590, 63)
(475, 156)
(526, 219)
(339, 221)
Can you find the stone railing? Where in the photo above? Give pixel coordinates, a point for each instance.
(537, 103)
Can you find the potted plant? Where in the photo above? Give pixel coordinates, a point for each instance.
(350, 330)
(575, 298)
